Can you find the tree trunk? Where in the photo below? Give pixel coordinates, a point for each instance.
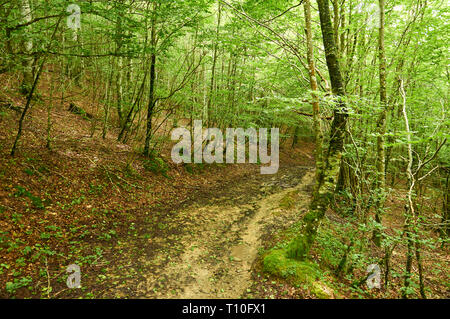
(151, 104)
(151, 95)
(49, 114)
(213, 69)
(30, 96)
(328, 175)
(411, 215)
(27, 63)
(107, 102)
(318, 134)
(446, 209)
(380, 188)
(336, 24)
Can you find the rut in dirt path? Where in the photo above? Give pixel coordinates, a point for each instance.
(221, 238)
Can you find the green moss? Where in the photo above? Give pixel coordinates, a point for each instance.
(299, 248)
(321, 291)
(277, 263)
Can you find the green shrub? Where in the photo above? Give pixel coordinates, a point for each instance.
(157, 166)
(11, 287)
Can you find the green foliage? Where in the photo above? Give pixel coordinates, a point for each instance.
(156, 165)
(12, 287)
(304, 273)
(95, 189)
(37, 202)
(189, 168)
(277, 263)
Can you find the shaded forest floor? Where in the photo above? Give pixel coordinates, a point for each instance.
(140, 229)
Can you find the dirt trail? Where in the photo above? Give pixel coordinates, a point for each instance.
(217, 236)
(223, 235)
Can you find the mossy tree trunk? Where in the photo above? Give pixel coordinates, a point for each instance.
(381, 130)
(328, 172)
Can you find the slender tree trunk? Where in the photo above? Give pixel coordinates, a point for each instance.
(417, 248)
(410, 212)
(151, 95)
(380, 188)
(342, 42)
(410, 207)
(445, 230)
(328, 175)
(318, 134)
(126, 125)
(119, 80)
(129, 118)
(232, 93)
(213, 69)
(151, 104)
(120, 91)
(27, 81)
(336, 24)
(49, 114)
(30, 96)
(107, 103)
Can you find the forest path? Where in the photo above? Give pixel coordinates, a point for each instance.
(221, 234)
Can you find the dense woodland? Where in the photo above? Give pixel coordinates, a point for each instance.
(88, 99)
